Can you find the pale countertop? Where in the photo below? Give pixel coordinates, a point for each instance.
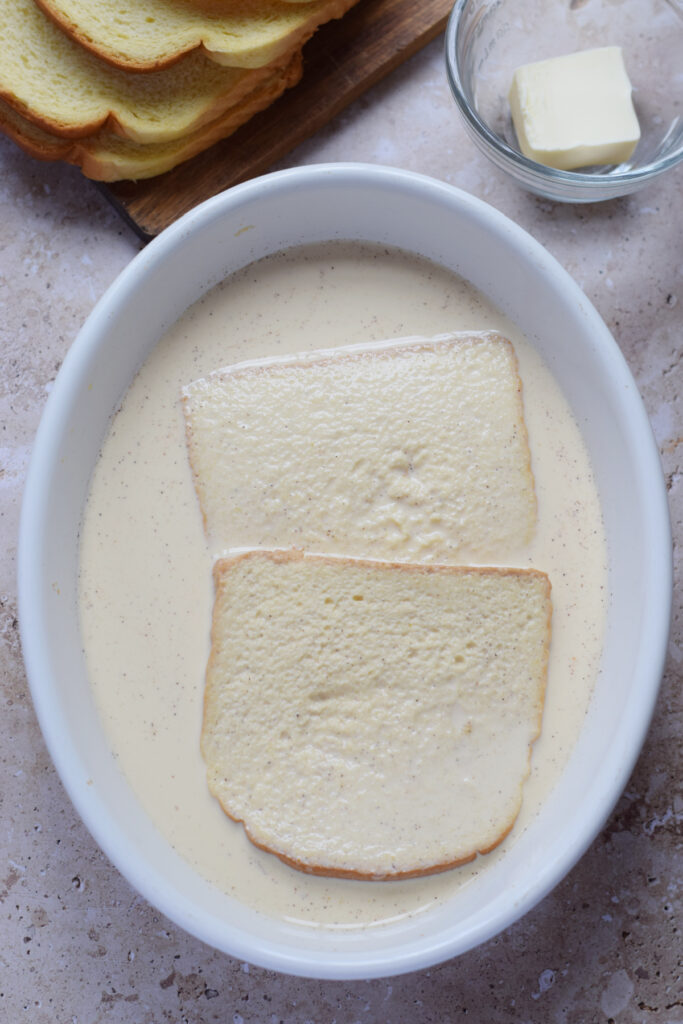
(77, 945)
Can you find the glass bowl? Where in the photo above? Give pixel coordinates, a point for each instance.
(486, 40)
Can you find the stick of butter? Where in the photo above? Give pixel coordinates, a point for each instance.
(576, 110)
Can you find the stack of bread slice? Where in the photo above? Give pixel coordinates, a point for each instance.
(130, 89)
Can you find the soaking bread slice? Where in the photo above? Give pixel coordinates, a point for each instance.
(105, 156)
(373, 720)
(59, 86)
(146, 36)
(416, 451)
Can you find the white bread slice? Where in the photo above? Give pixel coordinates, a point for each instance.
(370, 720)
(414, 451)
(146, 36)
(66, 90)
(105, 156)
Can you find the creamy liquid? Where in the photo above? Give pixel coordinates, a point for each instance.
(146, 591)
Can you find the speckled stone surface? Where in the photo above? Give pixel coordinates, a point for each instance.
(77, 944)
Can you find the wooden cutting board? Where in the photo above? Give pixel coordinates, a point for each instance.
(341, 61)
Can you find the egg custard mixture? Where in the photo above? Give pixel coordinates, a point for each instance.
(146, 593)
